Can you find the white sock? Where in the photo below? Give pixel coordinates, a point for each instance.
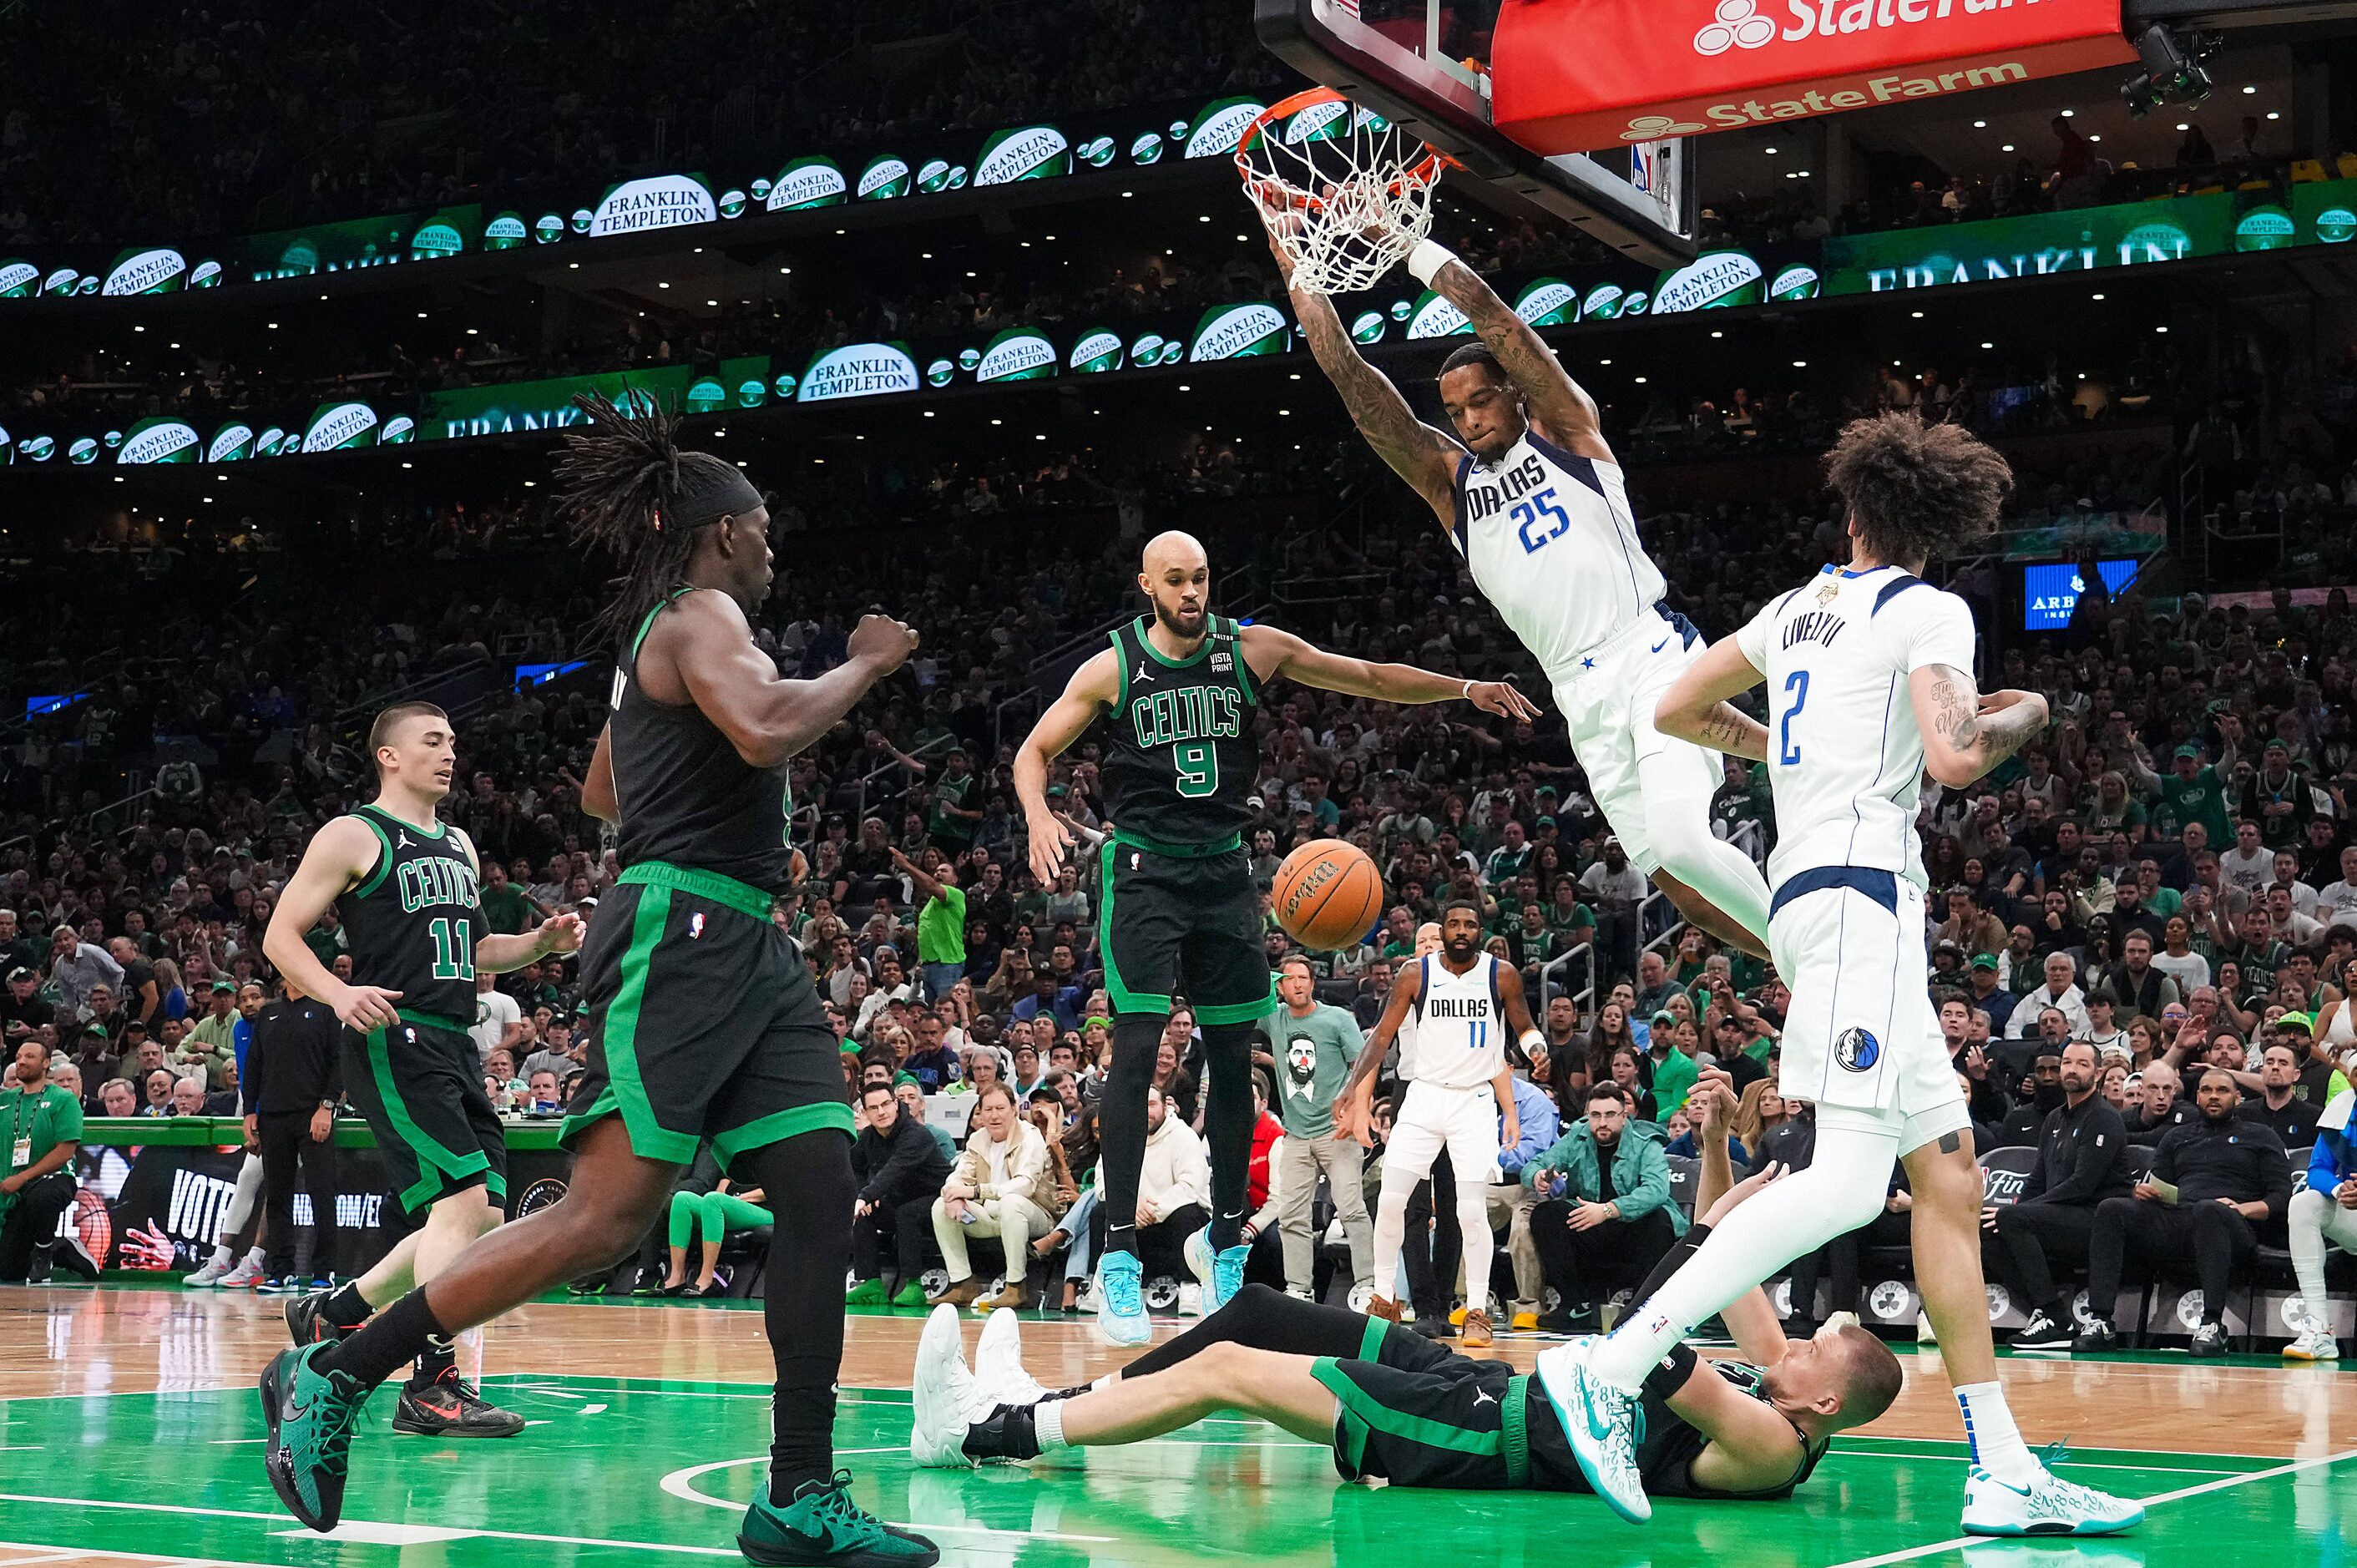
(254, 1257)
(223, 1255)
(1995, 1441)
(1048, 1425)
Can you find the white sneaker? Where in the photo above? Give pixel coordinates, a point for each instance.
(1924, 1335)
(2048, 1506)
(947, 1399)
(2314, 1344)
(215, 1269)
(1601, 1422)
(245, 1276)
(1087, 1299)
(998, 1362)
(1190, 1300)
(1359, 1296)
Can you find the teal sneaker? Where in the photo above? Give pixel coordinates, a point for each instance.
(311, 1414)
(1121, 1305)
(1221, 1273)
(824, 1526)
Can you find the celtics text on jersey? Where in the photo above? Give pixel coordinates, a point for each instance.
(413, 919)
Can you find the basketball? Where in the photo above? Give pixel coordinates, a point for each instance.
(1328, 895)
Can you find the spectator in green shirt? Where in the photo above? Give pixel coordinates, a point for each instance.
(940, 923)
(505, 907)
(2194, 793)
(42, 1125)
(955, 814)
(1672, 1059)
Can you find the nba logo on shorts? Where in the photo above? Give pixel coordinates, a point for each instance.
(1855, 1049)
(694, 927)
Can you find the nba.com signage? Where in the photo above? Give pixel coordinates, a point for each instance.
(1570, 76)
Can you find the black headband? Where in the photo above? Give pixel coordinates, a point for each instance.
(725, 493)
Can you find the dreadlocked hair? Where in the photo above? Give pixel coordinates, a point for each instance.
(1917, 490)
(619, 484)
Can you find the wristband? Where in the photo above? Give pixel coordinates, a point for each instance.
(1670, 1374)
(1530, 1037)
(1466, 694)
(1428, 257)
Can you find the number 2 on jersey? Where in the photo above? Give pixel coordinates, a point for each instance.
(1797, 683)
(1198, 767)
(454, 949)
(1529, 514)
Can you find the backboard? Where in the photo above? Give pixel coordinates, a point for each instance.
(1422, 65)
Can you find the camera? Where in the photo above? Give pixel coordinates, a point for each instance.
(2173, 71)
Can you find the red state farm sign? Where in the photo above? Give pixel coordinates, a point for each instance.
(1569, 76)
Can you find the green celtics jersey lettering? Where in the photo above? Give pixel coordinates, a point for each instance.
(1178, 749)
(414, 918)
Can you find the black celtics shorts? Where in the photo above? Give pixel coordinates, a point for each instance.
(420, 1086)
(704, 1022)
(1418, 1415)
(1173, 924)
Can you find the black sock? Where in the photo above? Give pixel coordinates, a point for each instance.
(1007, 1432)
(345, 1309)
(1121, 1123)
(810, 1250)
(392, 1337)
(1228, 1126)
(439, 1361)
(1265, 1319)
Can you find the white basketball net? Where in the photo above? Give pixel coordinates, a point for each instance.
(1345, 194)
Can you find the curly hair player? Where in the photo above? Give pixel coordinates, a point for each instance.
(706, 1023)
(1870, 674)
(1397, 1407)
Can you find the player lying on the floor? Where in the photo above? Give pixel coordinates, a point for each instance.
(1397, 1406)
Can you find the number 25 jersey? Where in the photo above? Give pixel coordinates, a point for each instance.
(1551, 542)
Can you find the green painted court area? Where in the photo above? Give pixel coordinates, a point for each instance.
(615, 1470)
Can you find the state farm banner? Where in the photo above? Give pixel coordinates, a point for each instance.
(1571, 76)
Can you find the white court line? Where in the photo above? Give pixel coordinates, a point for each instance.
(2064, 1465)
(80, 1553)
(679, 1484)
(1958, 1542)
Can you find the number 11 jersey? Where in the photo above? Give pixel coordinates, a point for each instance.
(414, 918)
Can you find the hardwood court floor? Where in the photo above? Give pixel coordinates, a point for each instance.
(130, 1436)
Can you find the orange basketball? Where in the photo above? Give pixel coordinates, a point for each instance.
(1328, 895)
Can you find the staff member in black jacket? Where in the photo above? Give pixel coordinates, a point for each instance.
(2082, 1150)
(900, 1170)
(2213, 1181)
(293, 1078)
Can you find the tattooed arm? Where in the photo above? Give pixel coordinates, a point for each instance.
(1696, 707)
(1966, 734)
(1417, 452)
(1560, 406)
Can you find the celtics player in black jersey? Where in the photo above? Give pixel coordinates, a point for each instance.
(704, 1024)
(407, 888)
(1178, 910)
(1400, 1408)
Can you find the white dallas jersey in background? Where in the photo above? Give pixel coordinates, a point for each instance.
(1460, 1031)
(1845, 757)
(1552, 544)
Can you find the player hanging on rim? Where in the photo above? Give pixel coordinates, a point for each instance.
(407, 887)
(1398, 1407)
(1531, 497)
(705, 1021)
(1178, 910)
(1460, 1097)
(1870, 674)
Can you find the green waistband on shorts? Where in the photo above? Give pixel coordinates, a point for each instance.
(432, 1021)
(1514, 1411)
(1178, 851)
(709, 884)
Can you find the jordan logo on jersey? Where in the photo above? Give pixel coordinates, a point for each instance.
(404, 838)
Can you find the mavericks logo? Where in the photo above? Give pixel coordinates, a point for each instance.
(339, 427)
(146, 271)
(1857, 1050)
(858, 370)
(806, 182)
(661, 202)
(1711, 280)
(1236, 331)
(158, 441)
(1032, 152)
(1097, 351)
(1018, 354)
(1435, 318)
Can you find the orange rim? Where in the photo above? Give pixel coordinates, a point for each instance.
(1262, 187)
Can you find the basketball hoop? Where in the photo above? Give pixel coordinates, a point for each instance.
(1346, 194)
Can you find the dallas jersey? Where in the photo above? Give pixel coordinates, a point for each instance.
(1551, 542)
(1460, 1030)
(1844, 755)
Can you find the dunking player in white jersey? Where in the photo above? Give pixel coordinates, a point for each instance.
(1532, 497)
(1870, 681)
(1459, 1002)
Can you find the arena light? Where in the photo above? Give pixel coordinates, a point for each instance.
(1980, 125)
(2097, 295)
(1769, 151)
(139, 329)
(1988, 345)
(2068, 113)
(2007, 148)
(2248, 91)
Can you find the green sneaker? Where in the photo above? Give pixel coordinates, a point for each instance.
(911, 1294)
(866, 1292)
(825, 1527)
(311, 1414)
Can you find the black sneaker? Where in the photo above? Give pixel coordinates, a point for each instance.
(66, 1253)
(825, 1529)
(591, 1284)
(450, 1407)
(311, 1414)
(2042, 1333)
(2210, 1339)
(648, 1283)
(2097, 1336)
(306, 1320)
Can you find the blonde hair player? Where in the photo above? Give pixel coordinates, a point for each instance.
(1868, 672)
